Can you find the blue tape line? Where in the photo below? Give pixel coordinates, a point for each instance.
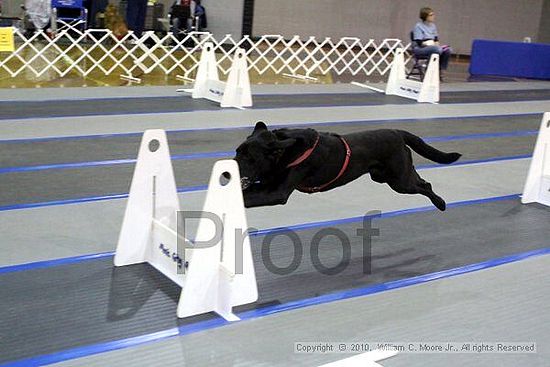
(122, 113)
(216, 108)
(188, 189)
(474, 161)
(45, 167)
(56, 262)
(359, 292)
(230, 154)
(507, 134)
(396, 213)
(264, 232)
(112, 162)
(175, 97)
(63, 202)
(91, 99)
(270, 310)
(249, 127)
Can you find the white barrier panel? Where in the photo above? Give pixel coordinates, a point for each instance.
(221, 276)
(537, 185)
(213, 277)
(233, 93)
(237, 92)
(425, 91)
(153, 195)
(84, 52)
(207, 73)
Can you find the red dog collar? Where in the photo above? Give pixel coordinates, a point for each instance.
(306, 155)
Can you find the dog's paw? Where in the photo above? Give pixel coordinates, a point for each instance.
(453, 157)
(439, 203)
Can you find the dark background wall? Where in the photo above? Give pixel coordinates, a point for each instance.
(458, 21)
(544, 29)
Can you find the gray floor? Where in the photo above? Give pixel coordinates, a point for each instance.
(114, 304)
(79, 229)
(40, 152)
(40, 185)
(231, 118)
(44, 94)
(130, 106)
(496, 305)
(57, 231)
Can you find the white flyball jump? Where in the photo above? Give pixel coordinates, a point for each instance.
(425, 91)
(215, 270)
(537, 185)
(233, 93)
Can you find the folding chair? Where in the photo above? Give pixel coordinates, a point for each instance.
(71, 12)
(420, 63)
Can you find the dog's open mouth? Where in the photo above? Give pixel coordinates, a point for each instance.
(246, 182)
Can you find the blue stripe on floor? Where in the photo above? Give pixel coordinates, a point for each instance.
(391, 214)
(112, 162)
(249, 127)
(89, 199)
(359, 292)
(270, 310)
(230, 154)
(188, 189)
(264, 232)
(215, 108)
(55, 262)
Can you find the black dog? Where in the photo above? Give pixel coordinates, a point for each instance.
(275, 163)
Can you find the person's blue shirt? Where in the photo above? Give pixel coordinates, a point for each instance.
(425, 31)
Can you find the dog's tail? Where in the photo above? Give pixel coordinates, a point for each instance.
(427, 151)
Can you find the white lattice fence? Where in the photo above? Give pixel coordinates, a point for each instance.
(100, 51)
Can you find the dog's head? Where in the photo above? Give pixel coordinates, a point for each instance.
(259, 155)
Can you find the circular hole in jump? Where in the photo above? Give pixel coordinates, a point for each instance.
(154, 145)
(225, 178)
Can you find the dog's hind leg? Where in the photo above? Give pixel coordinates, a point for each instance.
(377, 174)
(414, 184)
(425, 188)
(403, 178)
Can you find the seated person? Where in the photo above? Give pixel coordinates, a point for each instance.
(183, 14)
(426, 39)
(180, 16)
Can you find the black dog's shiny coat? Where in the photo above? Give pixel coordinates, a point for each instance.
(264, 156)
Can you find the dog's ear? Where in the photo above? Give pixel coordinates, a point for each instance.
(277, 147)
(260, 126)
(285, 143)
